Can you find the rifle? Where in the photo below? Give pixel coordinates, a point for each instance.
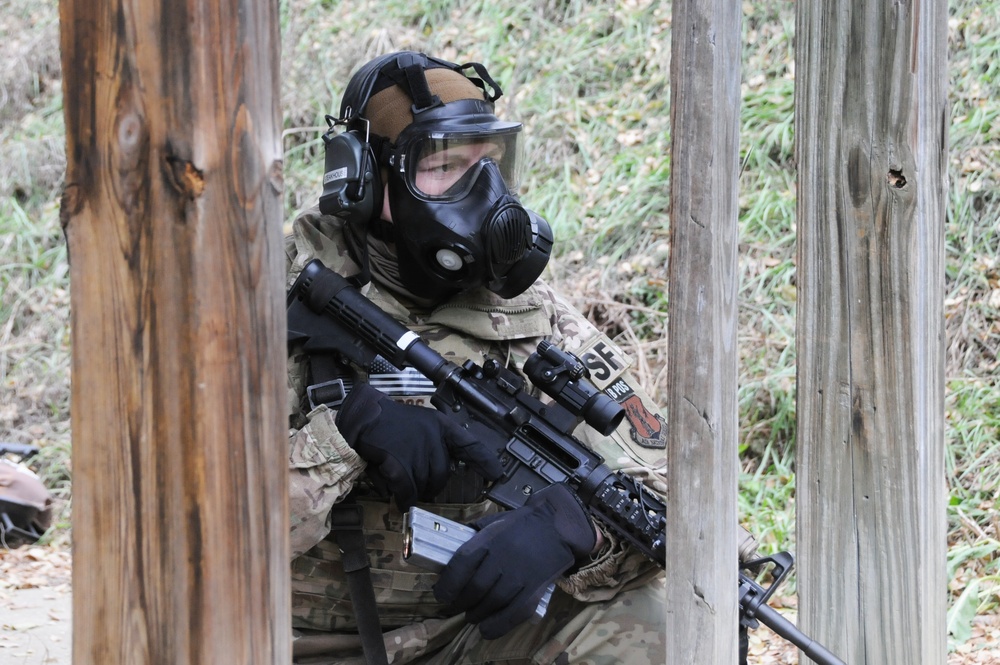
(533, 440)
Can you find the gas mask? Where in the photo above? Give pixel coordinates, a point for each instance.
(458, 222)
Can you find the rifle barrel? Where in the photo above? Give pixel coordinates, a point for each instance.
(782, 626)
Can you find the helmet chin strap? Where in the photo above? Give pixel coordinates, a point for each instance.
(357, 243)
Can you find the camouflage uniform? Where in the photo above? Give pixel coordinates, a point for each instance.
(609, 611)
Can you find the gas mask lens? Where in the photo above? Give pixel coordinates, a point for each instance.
(444, 168)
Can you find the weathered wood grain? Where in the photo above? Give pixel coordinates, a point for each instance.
(871, 122)
(172, 212)
(702, 405)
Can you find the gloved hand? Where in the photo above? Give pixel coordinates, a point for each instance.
(409, 449)
(498, 576)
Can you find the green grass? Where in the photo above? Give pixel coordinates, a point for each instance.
(972, 312)
(591, 82)
(973, 466)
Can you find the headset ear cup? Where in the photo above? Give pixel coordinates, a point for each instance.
(350, 182)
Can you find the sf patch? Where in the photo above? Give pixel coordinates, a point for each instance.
(604, 360)
(647, 429)
(607, 363)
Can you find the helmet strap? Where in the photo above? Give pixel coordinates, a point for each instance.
(365, 276)
(382, 230)
(484, 80)
(420, 92)
(412, 79)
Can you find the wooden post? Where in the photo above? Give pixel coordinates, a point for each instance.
(172, 212)
(871, 140)
(702, 608)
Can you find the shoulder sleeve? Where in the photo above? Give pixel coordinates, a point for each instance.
(322, 466)
(315, 235)
(323, 470)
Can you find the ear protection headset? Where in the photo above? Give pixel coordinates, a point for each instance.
(352, 184)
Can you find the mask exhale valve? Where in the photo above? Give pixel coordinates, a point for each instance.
(449, 260)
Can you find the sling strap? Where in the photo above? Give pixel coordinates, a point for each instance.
(346, 519)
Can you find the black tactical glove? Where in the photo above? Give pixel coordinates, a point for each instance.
(409, 449)
(498, 576)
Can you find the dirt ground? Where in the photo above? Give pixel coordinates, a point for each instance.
(36, 617)
(35, 607)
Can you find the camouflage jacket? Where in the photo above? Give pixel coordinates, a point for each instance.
(473, 325)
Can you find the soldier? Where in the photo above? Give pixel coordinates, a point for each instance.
(420, 208)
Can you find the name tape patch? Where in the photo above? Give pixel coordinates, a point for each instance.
(336, 174)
